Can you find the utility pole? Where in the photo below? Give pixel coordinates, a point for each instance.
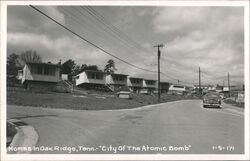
(228, 79)
(159, 72)
(199, 81)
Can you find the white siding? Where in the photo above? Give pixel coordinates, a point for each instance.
(173, 88)
(146, 85)
(82, 78)
(27, 75)
(110, 80)
(131, 84)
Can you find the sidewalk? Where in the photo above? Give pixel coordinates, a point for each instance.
(25, 138)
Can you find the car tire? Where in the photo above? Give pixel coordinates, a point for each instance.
(204, 106)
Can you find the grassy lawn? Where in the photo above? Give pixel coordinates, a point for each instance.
(99, 101)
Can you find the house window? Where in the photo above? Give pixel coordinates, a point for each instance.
(135, 81)
(39, 69)
(117, 78)
(95, 76)
(121, 78)
(101, 76)
(46, 71)
(52, 71)
(150, 82)
(92, 75)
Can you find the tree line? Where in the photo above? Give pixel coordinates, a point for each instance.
(16, 62)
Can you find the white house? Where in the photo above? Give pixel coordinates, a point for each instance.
(90, 79)
(177, 89)
(149, 86)
(135, 84)
(225, 89)
(116, 81)
(40, 74)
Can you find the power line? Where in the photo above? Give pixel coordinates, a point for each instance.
(75, 20)
(104, 26)
(108, 53)
(114, 28)
(98, 26)
(176, 79)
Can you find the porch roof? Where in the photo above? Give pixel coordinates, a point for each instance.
(94, 71)
(45, 64)
(116, 74)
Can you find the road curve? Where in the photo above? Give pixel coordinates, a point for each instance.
(181, 127)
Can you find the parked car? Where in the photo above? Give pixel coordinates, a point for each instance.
(212, 99)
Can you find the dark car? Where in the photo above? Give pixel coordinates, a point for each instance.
(212, 100)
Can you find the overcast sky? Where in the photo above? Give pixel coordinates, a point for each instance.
(209, 37)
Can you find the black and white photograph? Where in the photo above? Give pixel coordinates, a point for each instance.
(125, 79)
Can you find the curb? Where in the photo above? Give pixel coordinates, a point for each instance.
(24, 140)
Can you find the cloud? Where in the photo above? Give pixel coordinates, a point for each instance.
(54, 13)
(26, 19)
(55, 49)
(174, 19)
(208, 37)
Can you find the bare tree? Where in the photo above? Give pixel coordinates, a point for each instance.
(29, 56)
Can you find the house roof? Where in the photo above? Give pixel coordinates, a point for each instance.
(94, 71)
(150, 80)
(47, 64)
(135, 78)
(118, 74)
(165, 83)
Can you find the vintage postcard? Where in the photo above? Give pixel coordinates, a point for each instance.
(124, 80)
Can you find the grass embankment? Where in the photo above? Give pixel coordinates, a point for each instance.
(88, 101)
(234, 103)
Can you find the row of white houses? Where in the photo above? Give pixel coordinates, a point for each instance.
(116, 81)
(47, 73)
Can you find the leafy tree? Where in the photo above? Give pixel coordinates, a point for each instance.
(12, 64)
(29, 56)
(71, 68)
(110, 67)
(79, 69)
(91, 67)
(68, 66)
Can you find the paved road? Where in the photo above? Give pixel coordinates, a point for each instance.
(182, 127)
